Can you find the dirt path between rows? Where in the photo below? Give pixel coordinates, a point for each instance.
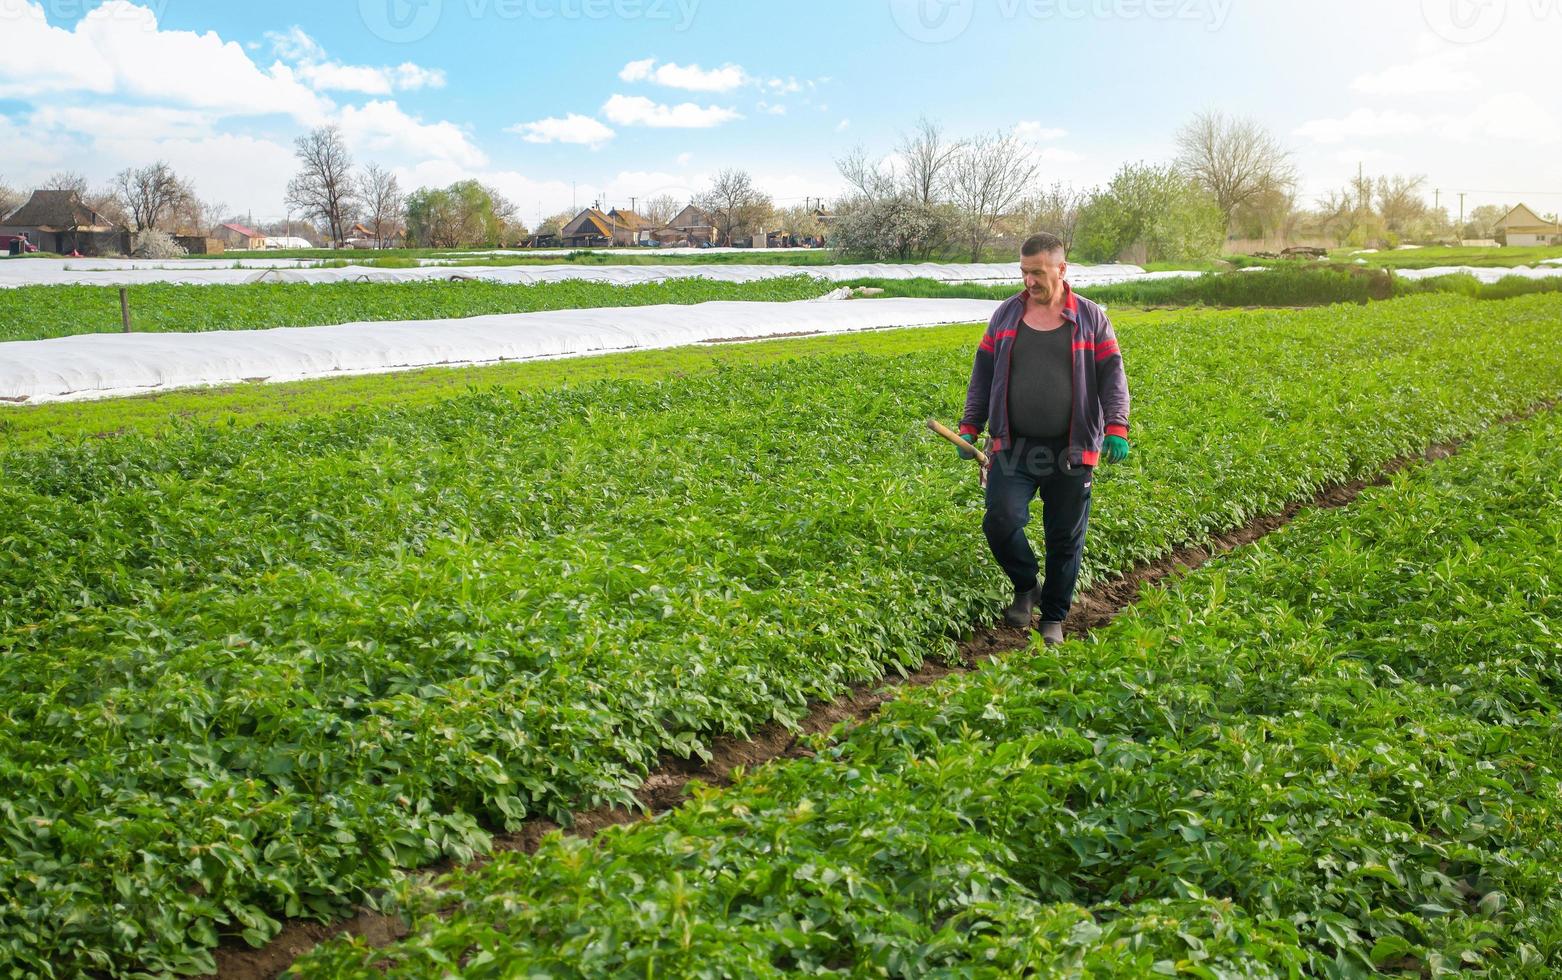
(664, 789)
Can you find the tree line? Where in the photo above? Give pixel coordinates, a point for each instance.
(932, 197)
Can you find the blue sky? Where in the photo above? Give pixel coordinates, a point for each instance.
(630, 98)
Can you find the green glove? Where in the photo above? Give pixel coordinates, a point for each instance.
(966, 453)
(1115, 449)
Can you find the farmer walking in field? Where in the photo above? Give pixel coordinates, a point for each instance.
(1048, 383)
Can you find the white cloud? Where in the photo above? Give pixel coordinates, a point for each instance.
(786, 86)
(684, 158)
(1362, 123)
(843, 125)
(105, 121)
(118, 49)
(573, 128)
(1033, 130)
(383, 128)
(1516, 117)
(691, 78)
(636, 110)
(311, 64)
(1519, 117)
(1433, 74)
(772, 109)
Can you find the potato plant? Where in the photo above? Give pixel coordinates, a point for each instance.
(253, 673)
(1330, 753)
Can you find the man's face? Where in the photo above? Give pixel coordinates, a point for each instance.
(1043, 274)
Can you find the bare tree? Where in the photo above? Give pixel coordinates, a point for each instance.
(150, 194)
(927, 158)
(324, 189)
(383, 200)
(660, 210)
(1055, 209)
(1399, 202)
(10, 198)
(1235, 160)
(867, 177)
(735, 205)
(66, 180)
(986, 180)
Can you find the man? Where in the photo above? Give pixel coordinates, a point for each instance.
(1048, 383)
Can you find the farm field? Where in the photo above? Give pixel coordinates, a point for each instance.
(253, 672)
(1426, 258)
(38, 312)
(1332, 752)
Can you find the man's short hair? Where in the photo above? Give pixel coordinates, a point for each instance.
(1040, 242)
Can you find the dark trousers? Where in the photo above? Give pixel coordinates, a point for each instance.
(1028, 469)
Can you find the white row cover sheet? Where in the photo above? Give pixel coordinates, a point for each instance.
(130, 272)
(1486, 275)
(109, 365)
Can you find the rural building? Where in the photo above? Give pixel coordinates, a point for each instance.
(592, 228)
(287, 241)
(362, 236)
(58, 221)
(239, 236)
(589, 228)
(1521, 226)
(693, 227)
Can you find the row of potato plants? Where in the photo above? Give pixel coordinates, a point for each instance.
(251, 674)
(40, 312)
(1331, 753)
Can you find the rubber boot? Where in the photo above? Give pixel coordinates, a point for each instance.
(1052, 634)
(1018, 612)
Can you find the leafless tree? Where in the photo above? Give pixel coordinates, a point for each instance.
(986, 180)
(150, 194)
(926, 160)
(1235, 160)
(10, 198)
(660, 210)
(867, 177)
(382, 198)
(1055, 209)
(324, 188)
(1399, 201)
(735, 205)
(66, 180)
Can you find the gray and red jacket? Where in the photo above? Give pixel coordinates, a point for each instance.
(1100, 406)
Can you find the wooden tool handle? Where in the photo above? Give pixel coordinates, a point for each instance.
(954, 437)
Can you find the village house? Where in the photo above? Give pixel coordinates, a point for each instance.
(239, 236)
(58, 221)
(1521, 226)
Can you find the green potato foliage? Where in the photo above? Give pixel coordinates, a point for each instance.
(1331, 753)
(253, 673)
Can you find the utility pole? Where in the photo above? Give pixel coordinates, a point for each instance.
(632, 200)
(1461, 217)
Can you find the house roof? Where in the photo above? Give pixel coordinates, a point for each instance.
(58, 211)
(628, 219)
(1522, 217)
(242, 230)
(691, 217)
(600, 224)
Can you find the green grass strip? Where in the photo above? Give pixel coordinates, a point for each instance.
(40, 312)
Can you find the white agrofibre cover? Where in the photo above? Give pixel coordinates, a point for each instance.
(109, 365)
(124, 272)
(1482, 273)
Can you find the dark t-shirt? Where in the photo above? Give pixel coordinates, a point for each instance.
(1041, 382)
